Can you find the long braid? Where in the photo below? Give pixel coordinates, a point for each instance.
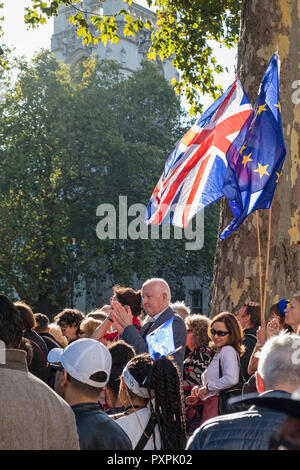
(169, 404)
(162, 376)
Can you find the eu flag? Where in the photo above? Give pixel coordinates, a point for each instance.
(161, 341)
(256, 156)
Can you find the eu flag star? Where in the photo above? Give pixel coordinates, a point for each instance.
(262, 108)
(278, 106)
(247, 159)
(262, 170)
(242, 148)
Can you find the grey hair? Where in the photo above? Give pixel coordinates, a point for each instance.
(180, 305)
(279, 361)
(163, 283)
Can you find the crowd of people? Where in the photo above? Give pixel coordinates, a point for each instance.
(90, 381)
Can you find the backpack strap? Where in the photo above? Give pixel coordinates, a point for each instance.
(147, 433)
(44, 357)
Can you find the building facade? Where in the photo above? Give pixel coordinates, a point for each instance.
(129, 52)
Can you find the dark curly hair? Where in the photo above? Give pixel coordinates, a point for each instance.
(121, 353)
(70, 316)
(42, 322)
(11, 323)
(129, 296)
(163, 377)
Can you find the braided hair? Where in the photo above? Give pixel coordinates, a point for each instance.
(163, 377)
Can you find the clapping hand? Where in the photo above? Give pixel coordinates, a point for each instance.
(121, 315)
(273, 327)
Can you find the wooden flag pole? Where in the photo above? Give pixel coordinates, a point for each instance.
(267, 261)
(260, 272)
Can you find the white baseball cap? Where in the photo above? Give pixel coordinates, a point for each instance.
(83, 358)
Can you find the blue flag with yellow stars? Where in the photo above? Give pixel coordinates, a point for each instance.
(256, 156)
(161, 341)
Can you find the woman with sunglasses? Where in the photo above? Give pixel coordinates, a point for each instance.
(223, 372)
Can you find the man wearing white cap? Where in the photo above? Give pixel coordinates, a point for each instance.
(84, 371)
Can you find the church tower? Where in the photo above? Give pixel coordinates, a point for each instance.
(130, 51)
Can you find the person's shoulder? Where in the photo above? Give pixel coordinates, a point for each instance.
(143, 413)
(177, 318)
(46, 393)
(250, 333)
(228, 420)
(226, 431)
(34, 336)
(227, 350)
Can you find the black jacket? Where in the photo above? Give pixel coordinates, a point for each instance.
(39, 365)
(97, 431)
(246, 430)
(249, 343)
(50, 341)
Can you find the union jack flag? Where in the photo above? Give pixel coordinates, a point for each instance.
(194, 173)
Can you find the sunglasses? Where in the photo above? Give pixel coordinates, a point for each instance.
(219, 333)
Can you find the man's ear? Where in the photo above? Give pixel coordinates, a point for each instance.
(259, 383)
(63, 378)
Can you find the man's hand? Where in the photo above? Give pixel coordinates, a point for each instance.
(122, 316)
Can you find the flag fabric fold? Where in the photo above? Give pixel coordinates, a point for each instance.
(161, 341)
(194, 173)
(256, 157)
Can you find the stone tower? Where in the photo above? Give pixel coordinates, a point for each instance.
(130, 51)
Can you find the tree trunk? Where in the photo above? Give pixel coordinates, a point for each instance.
(266, 27)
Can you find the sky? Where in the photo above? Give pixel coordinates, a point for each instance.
(16, 33)
(27, 41)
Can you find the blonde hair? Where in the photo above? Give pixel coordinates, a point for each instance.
(98, 314)
(90, 325)
(55, 330)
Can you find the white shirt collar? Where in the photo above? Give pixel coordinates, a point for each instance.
(153, 319)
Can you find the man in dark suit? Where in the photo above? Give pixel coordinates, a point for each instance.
(156, 298)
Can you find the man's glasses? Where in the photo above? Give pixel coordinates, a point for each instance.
(214, 332)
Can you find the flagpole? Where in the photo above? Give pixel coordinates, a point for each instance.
(268, 260)
(260, 271)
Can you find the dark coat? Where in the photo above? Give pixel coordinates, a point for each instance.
(249, 343)
(97, 431)
(138, 341)
(246, 430)
(50, 341)
(39, 365)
